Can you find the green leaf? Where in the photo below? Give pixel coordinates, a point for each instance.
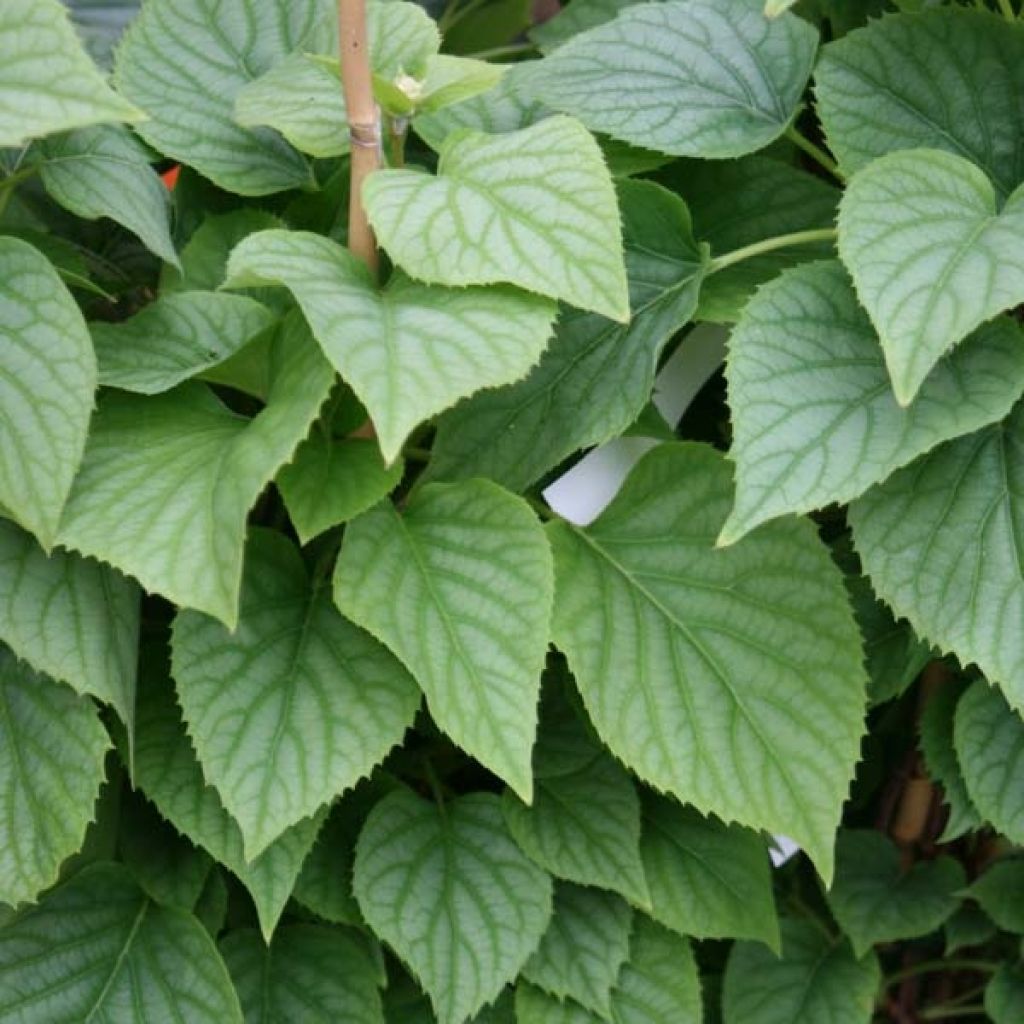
(168, 866)
(310, 973)
(174, 338)
(583, 825)
(459, 586)
(875, 900)
(932, 255)
(707, 78)
(969, 926)
(332, 480)
(501, 109)
(663, 632)
(535, 208)
(597, 375)
(579, 16)
(211, 908)
(183, 62)
(998, 892)
(104, 172)
(706, 879)
(934, 539)
(47, 82)
(1004, 996)
(817, 981)
(815, 420)
(451, 893)
(47, 380)
(449, 80)
(659, 982)
(181, 469)
(939, 79)
(295, 704)
(737, 203)
(935, 726)
(409, 351)
(167, 771)
(657, 985)
(989, 740)
(302, 99)
(52, 747)
(70, 617)
(98, 949)
(583, 948)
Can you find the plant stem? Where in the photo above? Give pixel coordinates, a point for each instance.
(770, 245)
(398, 129)
(1007, 8)
(511, 50)
(363, 123)
(815, 152)
(538, 506)
(933, 966)
(435, 784)
(949, 1012)
(8, 185)
(413, 454)
(454, 13)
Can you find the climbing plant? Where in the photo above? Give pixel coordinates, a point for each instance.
(318, 704)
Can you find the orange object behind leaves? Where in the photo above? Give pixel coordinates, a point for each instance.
(170, 178)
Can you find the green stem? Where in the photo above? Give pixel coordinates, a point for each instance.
(933, 966)
(538, 506)
(814, 151)
(413, 454)
(454, 13)
(511, 50)
(949, 1012)
(1007, 8)
(398, 129)
(770, 245)
(435, 784)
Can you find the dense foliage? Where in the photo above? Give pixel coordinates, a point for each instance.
(312, 706)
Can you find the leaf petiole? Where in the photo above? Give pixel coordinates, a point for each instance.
(770, 245)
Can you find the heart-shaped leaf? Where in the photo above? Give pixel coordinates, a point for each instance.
(408, 351)
(932, 255)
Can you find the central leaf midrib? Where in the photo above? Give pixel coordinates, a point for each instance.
(119, 961)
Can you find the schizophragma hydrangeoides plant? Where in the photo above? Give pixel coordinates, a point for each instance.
(316, 706)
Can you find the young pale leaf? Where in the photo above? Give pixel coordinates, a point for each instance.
(97, 949)
(167, 481)
(176, 337)
(998, 892)
(706, 879)
(583, 825)
(47, 380)
(295, 704)
(597, 375)
(737, 203)
(70, 617)
(408, 351)
(935, 728)
(932, 255)
(52, 747)
(707, 78)
(171, 869)
(501, 109)
(183, 62)
(939, 79)
(332, 480)
(815, 420)
(451, 893)
(875, 900)
(104, 172)
(730, 678)
(535, 208)
(459, 586)
(586, 943)
(817, 981)
(934, 539)
(989, 740)
(1004, 996)
(166, 770)
(310, 973)
(47, 82)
